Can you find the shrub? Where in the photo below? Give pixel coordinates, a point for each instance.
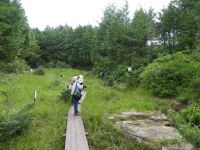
(192, 114)
(134, 77)
(14, 124)
(39, 71)
(195, 85)
(65, 94)
(60, 64)
(57, 64)
(186, 95)
(175, 118)
(21, 66)
(18, 66)
(192, 135)
(184, 122)
(54, 84)
(169, 75)
(118, 74)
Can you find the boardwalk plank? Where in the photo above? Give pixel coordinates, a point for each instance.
(82, 143)
(75, 134)
(70, 143)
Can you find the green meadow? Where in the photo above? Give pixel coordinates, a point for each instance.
(48, 126)
(50, 111)
(101, 102)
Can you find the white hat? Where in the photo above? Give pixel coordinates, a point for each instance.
(80, 80)
(80, 76)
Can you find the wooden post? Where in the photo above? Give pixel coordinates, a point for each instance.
(129, 69)
(35, 95)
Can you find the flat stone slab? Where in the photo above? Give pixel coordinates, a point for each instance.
(148, 128)
(183, 146)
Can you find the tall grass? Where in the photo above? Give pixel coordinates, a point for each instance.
(49, 124)
(101, 102)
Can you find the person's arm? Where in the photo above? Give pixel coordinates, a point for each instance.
(69, 86)
(80, 86)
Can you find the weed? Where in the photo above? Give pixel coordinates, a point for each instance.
(101, 102)
(49, 123)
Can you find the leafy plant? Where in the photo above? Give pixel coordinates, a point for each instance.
(14, 124)
(171, 75)
(192, 114)
(54, 84)
(18, 66)
(39, 71)
(191, 134)
(187, 122)
(65, 94)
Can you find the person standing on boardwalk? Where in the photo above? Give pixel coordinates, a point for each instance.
(76, 92)
(73, 80)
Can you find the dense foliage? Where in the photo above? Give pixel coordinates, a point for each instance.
(161, 49)
(63, 46)
(14, 124)
(172, 76)
(16, 39)
(187, 122)
(13, 30)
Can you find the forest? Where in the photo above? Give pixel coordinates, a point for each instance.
(162, 49)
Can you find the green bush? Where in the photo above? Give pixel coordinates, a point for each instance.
(18, 66)
(65, 94)
(170, 75)
(57, 64)
(187, 94)
(195, 85)
(54, 84)
(14, 124)
(118, 74)
(184, 123)
(134, 77)
(21, 66)
(60, 64)
(192, 114)
(192, 135)
(39, 71)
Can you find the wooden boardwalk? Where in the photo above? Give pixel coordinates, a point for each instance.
(75, 135)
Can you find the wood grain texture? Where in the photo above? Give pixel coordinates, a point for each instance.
(75, 134)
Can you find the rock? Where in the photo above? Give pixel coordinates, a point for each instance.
(147, 131)
(183, 146)
(129, 115)
(159, 117)
(149, 128)
(135, 114)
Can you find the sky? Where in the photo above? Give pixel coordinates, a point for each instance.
(41, 13)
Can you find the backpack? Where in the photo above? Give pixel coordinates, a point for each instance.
(75, 91)
(73, 80)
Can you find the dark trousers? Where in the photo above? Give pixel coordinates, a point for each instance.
(75, 101)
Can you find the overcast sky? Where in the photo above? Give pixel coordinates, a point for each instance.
(41, 13)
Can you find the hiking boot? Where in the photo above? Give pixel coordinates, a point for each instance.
(77, 114)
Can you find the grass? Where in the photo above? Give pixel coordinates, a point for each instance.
(188, 130)
(49, 124)
(101, 102)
